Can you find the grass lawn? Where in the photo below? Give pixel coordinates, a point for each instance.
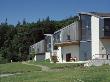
(17, 68)
(57, 65)
(71, 73)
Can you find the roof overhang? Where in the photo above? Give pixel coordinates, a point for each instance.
(99, 15)
(105, 17)
(105, 37)
(87, 13)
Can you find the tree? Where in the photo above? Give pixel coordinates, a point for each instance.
(16, 40)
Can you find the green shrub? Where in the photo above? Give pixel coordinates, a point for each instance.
(105, 64)
(47, 60)
(54, 59)
(3, 61)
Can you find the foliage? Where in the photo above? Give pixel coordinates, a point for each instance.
(16, 40)
(47, 60)
(54, 59)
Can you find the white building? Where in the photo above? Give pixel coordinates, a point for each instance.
(86, 39)
(95, 36)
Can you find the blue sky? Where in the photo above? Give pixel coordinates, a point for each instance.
(32, 10)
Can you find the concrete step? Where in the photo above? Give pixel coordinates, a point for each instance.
(97, 62)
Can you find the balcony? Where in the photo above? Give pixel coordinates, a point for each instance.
(67, 43)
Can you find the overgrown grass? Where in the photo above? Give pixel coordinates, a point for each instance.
(57, 65)
(17, 68)
(77, 74)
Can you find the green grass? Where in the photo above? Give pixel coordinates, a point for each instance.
(17, 68)
(72, 74)
(57, 65)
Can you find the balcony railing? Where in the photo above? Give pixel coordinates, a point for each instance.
(105, 56)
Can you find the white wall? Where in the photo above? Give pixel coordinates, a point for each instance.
(72, 30)
(39, 57)
(73, 49)
(38, 47)
(35, 58)
(59, 54)
(47, 55)
(104, 47)
(95, 36)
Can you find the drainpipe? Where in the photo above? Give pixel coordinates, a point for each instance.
(52, 44)
(107, 55)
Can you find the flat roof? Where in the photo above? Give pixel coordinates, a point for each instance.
(97, 14)
(65, 27)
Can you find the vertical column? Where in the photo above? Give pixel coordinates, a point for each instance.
(95, 37)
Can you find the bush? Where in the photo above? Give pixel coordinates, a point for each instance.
(3, 61)
(54, 59)
(47, 60)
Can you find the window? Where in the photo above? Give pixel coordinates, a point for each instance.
(102, 56)
(85, 27)
(68, 37)
(55, 47)
(38, 50)
(68, 56)
(107, 26)
(57, 37)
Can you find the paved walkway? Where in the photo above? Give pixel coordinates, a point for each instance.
(44, 68)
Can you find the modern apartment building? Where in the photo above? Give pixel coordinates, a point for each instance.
(86, 39)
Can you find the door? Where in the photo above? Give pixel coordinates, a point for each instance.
(68, 56)
(107, 56)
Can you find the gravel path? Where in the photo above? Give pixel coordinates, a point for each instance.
(5, 75)
(44, 68)
(9, 74)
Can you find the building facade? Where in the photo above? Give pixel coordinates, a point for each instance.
(38, 49)
(86, 39)
(95, 36)
(66, 43)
